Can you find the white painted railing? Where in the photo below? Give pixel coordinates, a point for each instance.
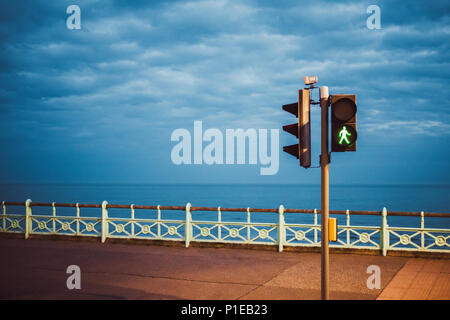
(279, 233)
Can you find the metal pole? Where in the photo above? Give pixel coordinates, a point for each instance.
(325, 181)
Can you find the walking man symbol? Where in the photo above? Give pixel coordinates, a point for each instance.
(343, 135)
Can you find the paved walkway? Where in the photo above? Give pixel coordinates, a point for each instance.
(36, 268)
(420, 279)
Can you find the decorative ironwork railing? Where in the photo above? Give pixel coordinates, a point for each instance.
(279, 233)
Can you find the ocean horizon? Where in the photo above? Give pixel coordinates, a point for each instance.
(411, 198)
(396, 197)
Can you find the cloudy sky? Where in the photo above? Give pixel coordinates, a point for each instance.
(99, 104)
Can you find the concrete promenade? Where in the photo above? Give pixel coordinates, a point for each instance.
(36, 269)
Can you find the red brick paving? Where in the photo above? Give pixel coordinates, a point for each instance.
(420, 279)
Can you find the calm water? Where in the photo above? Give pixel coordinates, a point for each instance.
(428, 198)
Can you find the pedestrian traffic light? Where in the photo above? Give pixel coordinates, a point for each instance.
(343, 123)
(302, 130)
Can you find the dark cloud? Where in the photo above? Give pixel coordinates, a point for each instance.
(138, 70)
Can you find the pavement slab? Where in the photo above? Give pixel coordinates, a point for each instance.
(36, 269)
(420, 279)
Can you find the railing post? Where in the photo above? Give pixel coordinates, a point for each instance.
(248, 225)
(219, 224)
(78, 218)
(281, 228)
(28, 218)
(422, 232)
(132, 220)
(384, 236)
(54, 217)
(159, 221)
(347, 213)
(188, 230)
(104, 220)
(4, 216)
(315, 225)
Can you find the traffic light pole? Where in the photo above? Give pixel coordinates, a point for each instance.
(343, 129)
(325, 200)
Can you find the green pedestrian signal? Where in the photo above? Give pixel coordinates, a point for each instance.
(346, 136)
(343, 123)
(343, 135)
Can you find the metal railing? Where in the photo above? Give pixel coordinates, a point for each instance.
(279, 233)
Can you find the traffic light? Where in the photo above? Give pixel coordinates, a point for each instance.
(302, 130)
(343, 123)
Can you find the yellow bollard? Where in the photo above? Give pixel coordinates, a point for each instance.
(332, 229)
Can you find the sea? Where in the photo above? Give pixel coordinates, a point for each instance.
(413, 198)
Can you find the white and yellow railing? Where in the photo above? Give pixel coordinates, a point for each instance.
(183, 228)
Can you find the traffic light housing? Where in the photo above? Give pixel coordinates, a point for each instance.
(302, 129)
(343, 123)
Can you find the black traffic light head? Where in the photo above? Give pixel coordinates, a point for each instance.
(343, 123)
(302, 129)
